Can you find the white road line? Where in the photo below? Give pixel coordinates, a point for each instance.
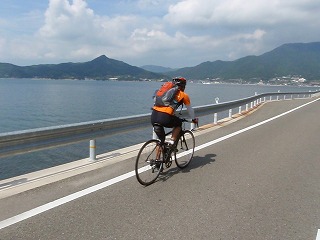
(318, 235)
(66, 199)
(76, 195)
(251, 127)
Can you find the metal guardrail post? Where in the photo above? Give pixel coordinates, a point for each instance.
(92, 149)
(215, 118)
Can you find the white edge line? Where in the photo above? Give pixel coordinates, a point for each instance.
(76, 195)
(63, 200)
(250, 127)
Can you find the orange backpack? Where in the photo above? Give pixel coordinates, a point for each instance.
(165, 95)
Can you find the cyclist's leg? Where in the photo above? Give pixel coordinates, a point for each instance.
(166, 120)
(176, 131)
(158, 121)
(159, 130)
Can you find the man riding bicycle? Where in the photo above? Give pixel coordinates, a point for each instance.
(163, 116)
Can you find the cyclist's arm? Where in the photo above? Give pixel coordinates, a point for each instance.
(190, 111)
(186, 101)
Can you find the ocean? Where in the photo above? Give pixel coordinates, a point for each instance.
(35, 103)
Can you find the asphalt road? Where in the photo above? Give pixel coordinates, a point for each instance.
(262, 183)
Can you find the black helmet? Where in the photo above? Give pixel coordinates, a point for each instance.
(180, 81)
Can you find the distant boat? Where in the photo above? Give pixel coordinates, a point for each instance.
(203, 82)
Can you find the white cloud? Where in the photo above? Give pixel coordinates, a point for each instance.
(238, 12)
(242, 28)
(64, 20)
(74, 28)
(173, 33)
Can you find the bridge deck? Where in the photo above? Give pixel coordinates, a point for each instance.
(253, 179)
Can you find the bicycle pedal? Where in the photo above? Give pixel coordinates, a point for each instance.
(157, 164)
(168, 164)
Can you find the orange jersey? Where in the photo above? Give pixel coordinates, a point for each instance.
(180, 97)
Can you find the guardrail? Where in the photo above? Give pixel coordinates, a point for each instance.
(19, 142)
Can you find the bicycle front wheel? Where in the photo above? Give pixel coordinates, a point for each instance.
(149, 162)
(185, 149)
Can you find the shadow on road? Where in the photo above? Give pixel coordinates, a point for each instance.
(199, 162)
(196, 162)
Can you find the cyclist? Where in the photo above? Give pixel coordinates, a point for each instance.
(164, 116)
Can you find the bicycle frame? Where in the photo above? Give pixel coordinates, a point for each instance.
(167, 151)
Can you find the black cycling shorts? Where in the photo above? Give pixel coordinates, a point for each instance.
(165, 119)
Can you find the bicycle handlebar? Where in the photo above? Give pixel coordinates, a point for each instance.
(191, 121)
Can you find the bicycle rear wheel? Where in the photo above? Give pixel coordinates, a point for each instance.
(147, 166)
(185, 149)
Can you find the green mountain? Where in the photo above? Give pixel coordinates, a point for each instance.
(157, 69)
(299, 59)
(294, 59)
(99, 68)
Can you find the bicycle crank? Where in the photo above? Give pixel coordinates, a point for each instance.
(168, 163)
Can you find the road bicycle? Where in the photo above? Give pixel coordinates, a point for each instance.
(154, 155)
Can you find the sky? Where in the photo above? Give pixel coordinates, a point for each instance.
(168, 33)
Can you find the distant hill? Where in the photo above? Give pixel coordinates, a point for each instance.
(100, 68)
(301, 59)
(298, 59)
(157, 69)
